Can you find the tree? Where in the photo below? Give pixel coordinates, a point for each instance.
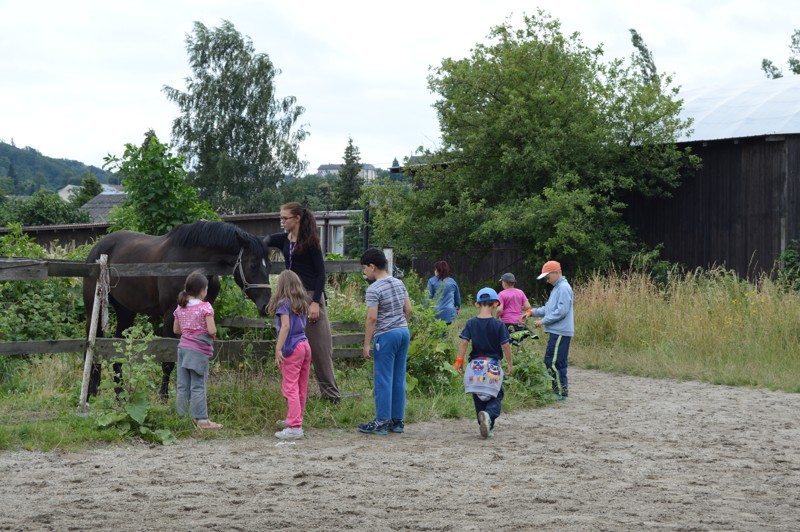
(239, 139)
(542, 144)
(90, 187)
(645, 58)
(773, 72)
(158, 196)
(42, 208)
(348, 186)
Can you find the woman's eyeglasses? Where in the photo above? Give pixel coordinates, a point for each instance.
(284, 218)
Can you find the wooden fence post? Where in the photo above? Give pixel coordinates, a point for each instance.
(100, 300)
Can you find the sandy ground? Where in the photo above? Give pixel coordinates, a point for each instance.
(623, 453)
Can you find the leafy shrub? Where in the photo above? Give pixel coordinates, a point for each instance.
(430, 354)
(34, 310)
(129, 413)
(529, 377)
(790, 265)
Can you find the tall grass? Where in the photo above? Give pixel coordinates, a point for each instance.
(705, 325)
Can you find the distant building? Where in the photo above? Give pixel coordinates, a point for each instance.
(367, 171)
(68, 191)
(100, 206)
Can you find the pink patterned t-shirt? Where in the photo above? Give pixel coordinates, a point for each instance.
(192, 320)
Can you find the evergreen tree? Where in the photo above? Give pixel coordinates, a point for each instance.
(348, 186)
(90, 187)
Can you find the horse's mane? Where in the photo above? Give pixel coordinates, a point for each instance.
(215, 235)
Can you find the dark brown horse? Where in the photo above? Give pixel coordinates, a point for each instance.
(246, 256)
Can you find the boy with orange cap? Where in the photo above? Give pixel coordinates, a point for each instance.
(557, 319)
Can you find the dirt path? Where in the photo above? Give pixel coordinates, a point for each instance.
(623, 453)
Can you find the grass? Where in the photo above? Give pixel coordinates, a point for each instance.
(708, 326)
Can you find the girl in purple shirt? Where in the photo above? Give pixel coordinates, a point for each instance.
(292, 351)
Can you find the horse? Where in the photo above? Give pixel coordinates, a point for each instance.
(203, 241)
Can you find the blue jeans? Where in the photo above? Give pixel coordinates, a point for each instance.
(556, 357)
(390, 351)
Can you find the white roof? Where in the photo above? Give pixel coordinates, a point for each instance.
(764, 107)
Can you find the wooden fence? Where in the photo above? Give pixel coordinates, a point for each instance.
(164, 349)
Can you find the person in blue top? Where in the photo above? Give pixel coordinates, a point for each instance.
(443, 289)
(483, 376)
(559, 324)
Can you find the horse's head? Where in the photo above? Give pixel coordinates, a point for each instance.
(252, 271)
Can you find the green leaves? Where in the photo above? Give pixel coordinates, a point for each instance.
(158, 195)
(543, 143)
(239, 139)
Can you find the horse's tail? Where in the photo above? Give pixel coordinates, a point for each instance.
(104, 246)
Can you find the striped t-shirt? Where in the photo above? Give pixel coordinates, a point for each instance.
(389, 295)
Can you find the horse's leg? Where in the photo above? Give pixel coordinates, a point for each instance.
(166, 367)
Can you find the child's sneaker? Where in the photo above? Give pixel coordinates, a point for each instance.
(483, 422)
(376, 426)
(290, 433)
(397, 426)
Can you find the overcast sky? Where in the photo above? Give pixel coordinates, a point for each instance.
(80, 79)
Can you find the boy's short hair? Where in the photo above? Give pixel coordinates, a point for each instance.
(375, 257)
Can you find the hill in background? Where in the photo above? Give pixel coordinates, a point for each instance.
(23, 171)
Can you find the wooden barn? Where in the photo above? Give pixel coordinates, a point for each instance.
(740, 210)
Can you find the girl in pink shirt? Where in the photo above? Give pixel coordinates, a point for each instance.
(194, 322)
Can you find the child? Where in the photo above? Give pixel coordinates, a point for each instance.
(513, 304)
(388, 312)
(292, 350)
(483, 376)
(558, 321)
(194, 322)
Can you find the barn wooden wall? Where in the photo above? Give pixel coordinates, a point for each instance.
(739, 210)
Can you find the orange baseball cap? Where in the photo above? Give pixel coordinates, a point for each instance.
(549, 267)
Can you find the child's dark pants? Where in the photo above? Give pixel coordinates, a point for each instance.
(493, 406)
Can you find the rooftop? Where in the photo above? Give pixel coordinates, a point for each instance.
(764, 107)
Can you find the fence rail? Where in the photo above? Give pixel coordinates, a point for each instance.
(164, 349)
(24, 269)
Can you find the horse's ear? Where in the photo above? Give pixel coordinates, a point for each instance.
(242, 240)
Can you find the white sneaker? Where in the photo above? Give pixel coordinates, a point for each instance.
(290, 433)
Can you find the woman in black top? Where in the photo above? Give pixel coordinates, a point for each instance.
(302, 254)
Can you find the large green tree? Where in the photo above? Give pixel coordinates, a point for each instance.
(158, 196)
(542, 143)
(349, 184)
(238, 137)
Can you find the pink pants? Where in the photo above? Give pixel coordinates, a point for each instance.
(295, 371)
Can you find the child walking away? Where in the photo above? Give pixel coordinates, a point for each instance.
(292, 350)
(557, 318)
(513, 307)
(194, 322)
(483, 376)
(388, 312)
